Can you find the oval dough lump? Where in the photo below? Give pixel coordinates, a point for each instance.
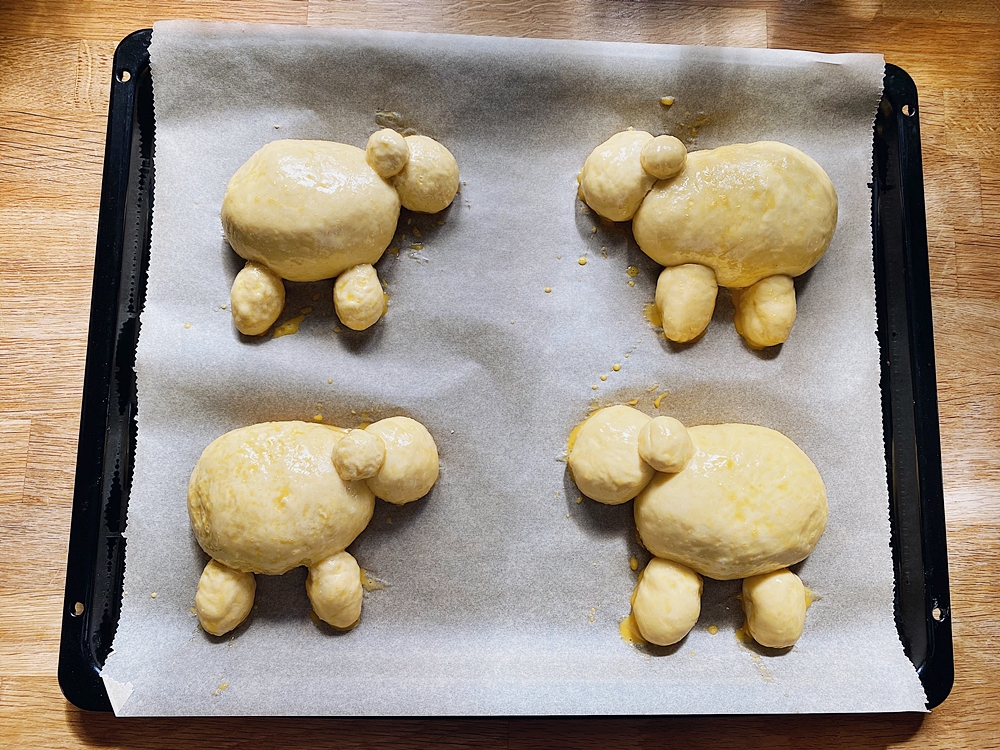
(411, 465)
(604, 458)
(429, 181)
(613, 182)
(667, 602)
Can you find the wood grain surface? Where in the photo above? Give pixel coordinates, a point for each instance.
(55, 63)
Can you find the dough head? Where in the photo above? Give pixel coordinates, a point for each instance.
(748, 211)
(685, 299)
(334, 589)
(224, 598)
(387, 152)
(358, 297)
(613, 182)
(256, 299)
(667, 601)
(665, 445)
(309, 210)
(429, 181)
(358, 455)
(604, 457)
(775, 606)
(411, 460)
(748, 502)
(765, 311)
(267, 498)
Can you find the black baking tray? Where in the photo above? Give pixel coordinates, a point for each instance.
(95, 569)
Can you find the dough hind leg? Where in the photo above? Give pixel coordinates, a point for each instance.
(334, 588)
(667, 601)
(765, 311)
(775, 607)
(224, 597)
(685, 299)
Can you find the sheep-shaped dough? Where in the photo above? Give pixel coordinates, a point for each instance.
(273, 496)
(749, 217)
(313, 210)
(725, 501)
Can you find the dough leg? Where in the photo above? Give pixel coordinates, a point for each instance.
(358, 297)
(685, 298)
(765, 311)
(666, 602)
(775, 606)
(334, 588)
(224, 597)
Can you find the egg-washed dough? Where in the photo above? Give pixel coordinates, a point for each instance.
(748, 502)
(765, 311)
(309, 210)
(664, 444)
(387, 152)
(358, 455)
(257, 299)
(224, 598)
(358, 297)
(267, 498)
(663, 157)
(775, 606)
(411, 464)
(685, 299)
(334, 590)
(666, 603)
(613, 182)
(747, 211)
(429, 181)
(604, 457)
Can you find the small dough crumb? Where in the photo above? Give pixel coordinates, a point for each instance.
(665, 445)
(387, 152)
(429, 181)
(685, 299)
(257, 298)
(667, 601)
(334, 589)
(775, 606)
(663, 157)
(224, 597)
(765, 311)
(358, 297)
(358, 455)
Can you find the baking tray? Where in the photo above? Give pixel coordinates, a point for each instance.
(95, 568)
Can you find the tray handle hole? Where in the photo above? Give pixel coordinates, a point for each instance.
(124, 76)
(939, 614)
(907, 109)
(77, 609)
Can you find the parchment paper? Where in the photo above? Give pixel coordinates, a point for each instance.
(503, 593)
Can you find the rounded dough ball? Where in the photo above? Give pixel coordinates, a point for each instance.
(667, 601)
(765, 311)
(267, 498)
(224, 598)
(665, 445)
(334, 589)
(663, 157)
(387, 152)
(746, 210)
(358, 297)
(685, 298)
(748, 501)
(309, 210)
(358, 455)
(257, 299)
(604, 456)
(411, 460)
(613, 182)
(775, 606)
(429, 181)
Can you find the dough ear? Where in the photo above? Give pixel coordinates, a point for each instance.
(664, 444)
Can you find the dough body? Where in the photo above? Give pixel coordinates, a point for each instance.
(746, 210)
(613, 182)
(267, 498)
(309, 210)
(604, 459)
(749, 501)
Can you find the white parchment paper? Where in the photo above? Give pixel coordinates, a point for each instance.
(503, 593)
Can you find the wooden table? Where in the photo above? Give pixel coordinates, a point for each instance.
(55, 62)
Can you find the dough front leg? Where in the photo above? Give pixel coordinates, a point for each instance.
(666, 603)
(765, 311)
(358, 297)
(334, 588)
(257, 299)
(685, 299)
(224, 597)
(775, 607)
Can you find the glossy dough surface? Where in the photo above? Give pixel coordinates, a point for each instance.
(411, 463)
(309, 210)
(746, 210)
(267, 498)
(667, 601)
(613, 181)
(749, 501)
(604, 458)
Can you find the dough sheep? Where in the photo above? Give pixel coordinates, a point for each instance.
(313, 210)
(725, 501)
(748, 216)
(274, 496)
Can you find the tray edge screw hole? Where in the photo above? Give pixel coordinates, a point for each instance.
(907, 110)
(124, 76)
(938, 614)
(77, 609)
